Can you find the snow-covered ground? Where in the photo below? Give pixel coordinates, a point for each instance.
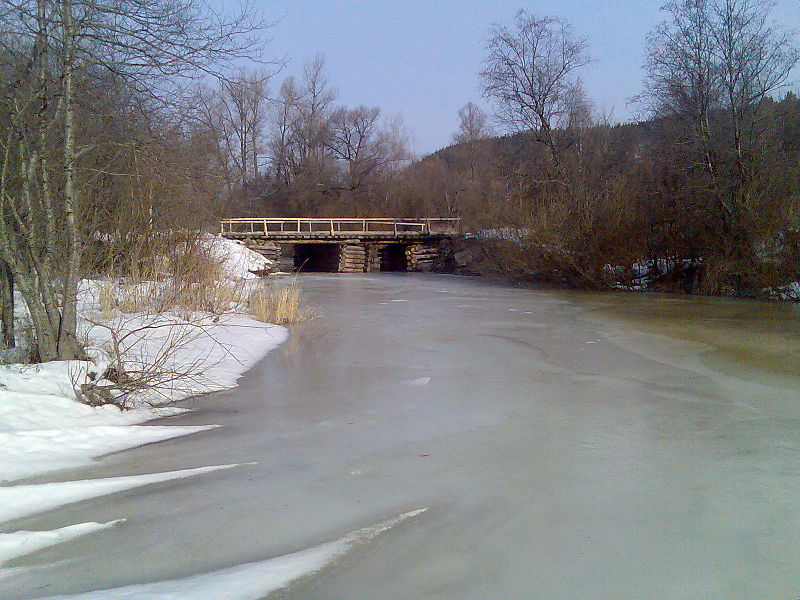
(44, 427)
(790, 291)
(238, 261)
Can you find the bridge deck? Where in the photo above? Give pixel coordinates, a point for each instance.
(335, 230)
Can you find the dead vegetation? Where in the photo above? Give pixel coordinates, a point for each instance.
(169, 298)
(279, 303)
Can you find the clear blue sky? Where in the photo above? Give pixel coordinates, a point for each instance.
(422, 58)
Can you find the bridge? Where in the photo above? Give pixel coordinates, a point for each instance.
(347, 245)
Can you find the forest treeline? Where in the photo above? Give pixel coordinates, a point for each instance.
(123, 122)
(641, 206)
(700, 195)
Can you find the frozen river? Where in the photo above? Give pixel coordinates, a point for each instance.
(567, 446)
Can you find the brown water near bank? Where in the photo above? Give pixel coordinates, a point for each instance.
(751, 339)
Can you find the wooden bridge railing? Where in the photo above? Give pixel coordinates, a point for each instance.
(284, 227)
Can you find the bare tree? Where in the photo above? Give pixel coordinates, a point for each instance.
(315, 105)
(531, 74)
(56, 47)
(472, 126)
(755, 58)
(298, 144)
(286, 117)
(681, 76)
(366, 146)
(237, 113)
(714, 64)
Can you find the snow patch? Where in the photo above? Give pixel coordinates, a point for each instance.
(238, 261)
(20, 543)
(790, 291)
(19, 501)
(250, 581)
(418, 381)
(43, 426)
(35, 451)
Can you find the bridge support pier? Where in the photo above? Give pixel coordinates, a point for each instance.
(352, 258)
(355, 256)
(422, 256)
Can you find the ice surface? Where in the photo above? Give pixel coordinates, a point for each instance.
(638, 467)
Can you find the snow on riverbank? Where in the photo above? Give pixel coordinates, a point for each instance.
(17, 501)
(20, 543)
(238, 261)
(44, 427)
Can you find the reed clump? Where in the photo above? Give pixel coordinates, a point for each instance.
(281, 304)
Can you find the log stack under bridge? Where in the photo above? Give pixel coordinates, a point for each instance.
(348, 245)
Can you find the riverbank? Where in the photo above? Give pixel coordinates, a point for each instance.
(498, 255)
(47, 427)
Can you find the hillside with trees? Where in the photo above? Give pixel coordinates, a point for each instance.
(702, 196)
(644, 204)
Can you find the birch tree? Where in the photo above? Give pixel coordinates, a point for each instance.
(473, 126)
(7, 337)
(50, 50)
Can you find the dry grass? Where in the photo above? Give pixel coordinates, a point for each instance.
(170, 300)
(183, 277)
(281, 304)
(189, 278)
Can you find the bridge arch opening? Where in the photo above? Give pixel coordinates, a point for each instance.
(316, 258)
(346, 257)
(393, 258)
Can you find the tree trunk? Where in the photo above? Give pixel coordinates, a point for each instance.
(67, 346)
(6, 306)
